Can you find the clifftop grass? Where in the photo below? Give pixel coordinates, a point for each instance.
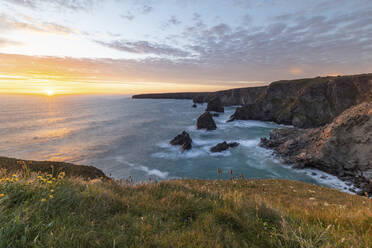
(42, 210)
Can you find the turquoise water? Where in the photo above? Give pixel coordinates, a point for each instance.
(126, 137)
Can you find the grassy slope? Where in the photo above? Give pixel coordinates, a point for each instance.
(72, 212)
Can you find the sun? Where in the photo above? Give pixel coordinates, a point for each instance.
(49, 92)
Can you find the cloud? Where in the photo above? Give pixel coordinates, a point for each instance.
(128, 15)
(296, 71)
(6, 42)
(9, 23)
(173, 21)
(145, 47)
(69, 4)
(146, 9)
(313, 43)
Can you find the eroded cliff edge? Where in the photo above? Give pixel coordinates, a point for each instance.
(342, 148)
(306, 103)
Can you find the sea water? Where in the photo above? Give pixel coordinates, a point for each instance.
(127, 137)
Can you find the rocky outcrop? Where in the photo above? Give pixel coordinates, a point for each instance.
(215, 105)
(233, 97)
(223, 146)
(205, 121)
(342, 148)
(72, 170)
(308, 103)
(182, 140)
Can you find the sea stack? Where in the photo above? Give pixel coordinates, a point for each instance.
(215, 105)
(183, 140)
(205, 121)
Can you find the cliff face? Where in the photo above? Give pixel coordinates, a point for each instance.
(181, 95)
(342, 148)
(308, 102)
(240, 96)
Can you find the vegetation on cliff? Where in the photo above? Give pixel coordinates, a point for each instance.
(45, 210)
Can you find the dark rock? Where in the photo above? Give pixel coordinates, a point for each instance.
(201, 98)
(220, 147)
(341, 148)
(224, 146)
(215, 115)
(205, 121)
(233, 144)
(194, 105)
(313, 173)
(215, 105)
(71, 170)
(308, 103)
(367, 189)
(183, 140)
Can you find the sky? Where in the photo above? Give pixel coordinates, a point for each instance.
(136, 46)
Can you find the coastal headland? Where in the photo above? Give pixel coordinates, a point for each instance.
(331, 116)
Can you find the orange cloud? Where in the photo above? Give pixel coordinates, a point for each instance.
(296, 71)
(37, 75)
(33, 25)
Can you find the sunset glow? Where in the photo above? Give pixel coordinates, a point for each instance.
(49, 92)
(128, 47)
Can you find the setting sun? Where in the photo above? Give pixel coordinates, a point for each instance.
(49, 92)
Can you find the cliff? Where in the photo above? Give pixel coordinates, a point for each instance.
(232, 97)
(342, 148)
(308, 102)
(180, 95)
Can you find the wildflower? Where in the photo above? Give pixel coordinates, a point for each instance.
(2, 195)
(43, 200)
(50, 182)
(40, 177)
(311, 198)
(15, 175)
(51, 196)
(52, 190)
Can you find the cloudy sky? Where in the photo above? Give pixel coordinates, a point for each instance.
(130, 46)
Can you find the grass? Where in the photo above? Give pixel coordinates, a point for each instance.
(42, 210)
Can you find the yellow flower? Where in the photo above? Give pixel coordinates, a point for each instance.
(40, 177)
(15, 175)
(51, 196)
(43, 200)
(2, 195)
(50, 182)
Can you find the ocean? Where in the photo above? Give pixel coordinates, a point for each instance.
(129, 138)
